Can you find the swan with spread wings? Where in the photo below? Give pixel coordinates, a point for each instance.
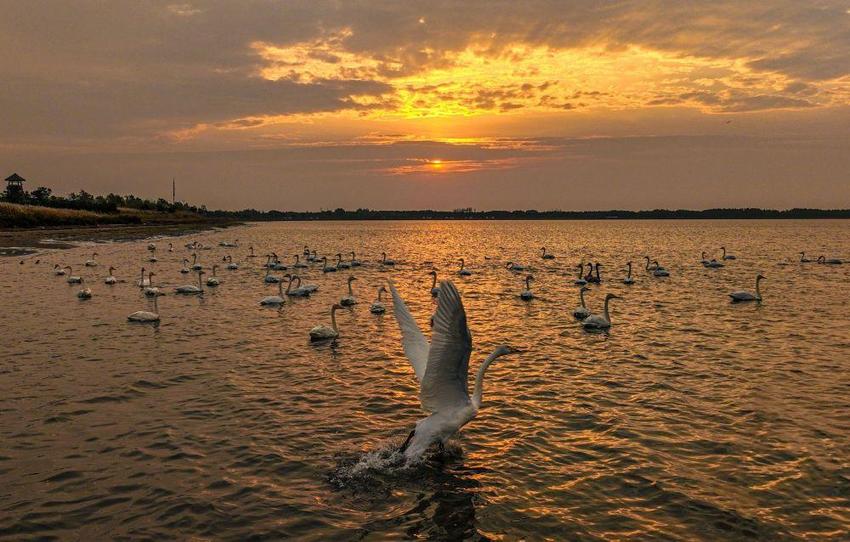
(442, 369)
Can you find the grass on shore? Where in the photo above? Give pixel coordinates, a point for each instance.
(13, 215)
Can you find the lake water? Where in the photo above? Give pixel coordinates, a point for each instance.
(692, 419)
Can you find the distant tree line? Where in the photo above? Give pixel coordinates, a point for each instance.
(84, 201)
(469, 214)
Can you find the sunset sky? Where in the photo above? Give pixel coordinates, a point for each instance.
(407, 105)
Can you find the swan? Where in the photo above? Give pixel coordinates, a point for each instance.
(93, 261)
(704, 261)
(349, 300)
(323, 333)
(185, 268)
(306, 251)
(325, 268)
(658, 271)
(313, 256)
(378, 306)
(230, 265)
(151, 246)
(595, 279)
(269, 278)
(192, 289)
(228, 244)
(268, 263)
(600, 321)
(145, 316)
(109, 278)
(153, 258)
(251, 252)
(385, 261)
(341, 264)
(803, 258)
(743, 295)
(354, 261)
(651, 267)
(298, 291)
(435, 290)
(274, 299)
(546, 256)
(727, 256)
(73, 279)
(58, 271)
(629, 279)
(527, 295)
(170, 247)
(276, 263)
(298, 264)
(213, 280)
(830, 261)
(195, 265)
(463, 272)
(580, 280)
(85, 292)
(515, 267)
(442, 369)
(582, 311)
(151, 290)
(142, 282)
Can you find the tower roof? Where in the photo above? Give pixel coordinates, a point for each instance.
(14, 177)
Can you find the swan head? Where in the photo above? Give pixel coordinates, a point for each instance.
(432, 273)
(760, 277)
(351, 279)
(505, 350)
(584, 289)
(612, 296)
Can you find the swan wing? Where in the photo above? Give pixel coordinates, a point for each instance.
(445, 383)
(415, 344)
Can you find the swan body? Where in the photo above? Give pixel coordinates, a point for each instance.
(378, 306)
(744, 295)
(546, 256)
(829, 261)
(325, 268)
(727, 256)
(349, 300)
(73, 279)
(109, 278)
(580, 280)
(629, 279)
(511, 266)
(213, 280)
(84, 293)
(600, 321)
(435, 290)
(527, 295)
(385, 261)
(145, 316)
(274, 299)
(658, 271)
(58, 271)
(299, 291)
(442, 369)
(269, 278)
(463, 272)
(582, 311)
(230, 265)
(324, 333)
(192, 289)
(93, 261)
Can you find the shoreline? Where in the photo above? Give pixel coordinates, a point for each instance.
(26, 241)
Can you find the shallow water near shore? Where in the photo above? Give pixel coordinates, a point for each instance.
(691, 419)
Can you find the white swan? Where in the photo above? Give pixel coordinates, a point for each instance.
(354, 261)
(58, 271)
(299, 291)
(385, 261)
(527, 295)
(590, 277)
(276, 264)
(714, 264)
(151, 290)
(341, 264)
(84, 293)
(324, 333)
(185, 268)
(442, 369)
(142, 282)
(192, 289)
(109, 278)
(325, 268)
(274, 299)
(378, 306)
(658, 270)
(73, 279)
(580, 281)
(727, 256)
(463, 272)
(251, 252)
(743, 295)
(93, 261)
(546, 256)
(515, 267)
(629, 279)
(145, 316)
(151, 246)
(298, 264)
(213, 280)
(230, 265)
(829, 261)
(435, 290)
(195, 265)
(153, 258)
(349, 300)
(582, 311)
(269, 278)
(600, 321)
(649, 267)
(170, 247)
(803, 258)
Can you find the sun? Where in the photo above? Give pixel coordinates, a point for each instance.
(437, 163)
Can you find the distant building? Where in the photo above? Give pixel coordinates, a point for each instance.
(14, 187)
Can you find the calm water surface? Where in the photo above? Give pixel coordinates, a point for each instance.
(693, 419)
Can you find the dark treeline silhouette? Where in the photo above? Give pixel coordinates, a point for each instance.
(468, 214)
(84, 201)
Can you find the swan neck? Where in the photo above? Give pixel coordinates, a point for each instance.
(581, 297)
(607, 314)
(333, 319)
(479, 379)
